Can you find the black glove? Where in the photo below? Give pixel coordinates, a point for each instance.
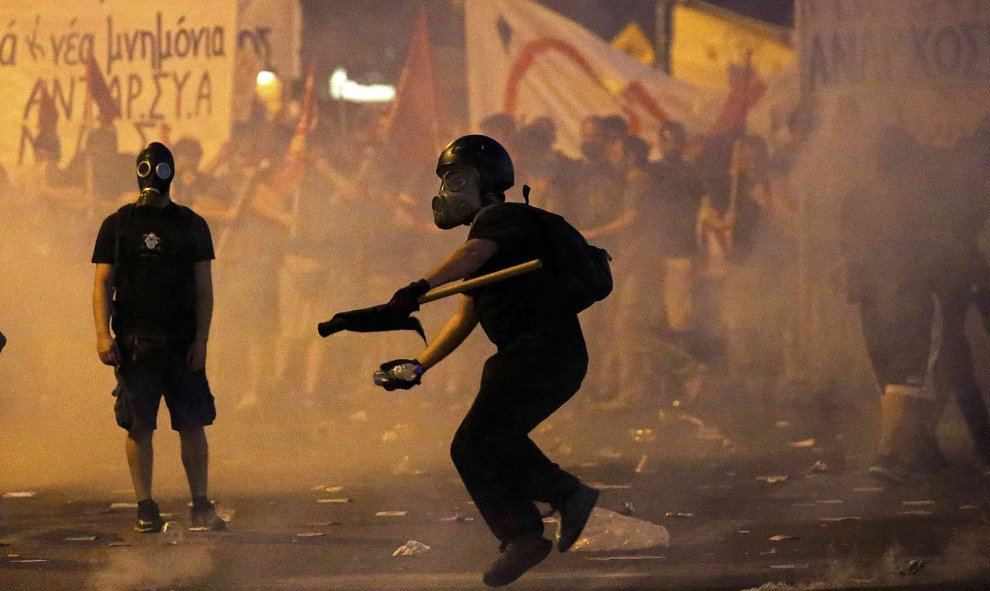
(406, 301)
(395, 383)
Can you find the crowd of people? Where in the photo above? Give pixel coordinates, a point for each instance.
(690, 222)
(704, 232)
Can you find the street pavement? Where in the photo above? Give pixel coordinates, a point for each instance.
(795, 511)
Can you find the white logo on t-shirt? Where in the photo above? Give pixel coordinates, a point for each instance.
(152, 242)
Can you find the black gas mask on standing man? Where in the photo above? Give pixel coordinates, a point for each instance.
(472, 168)
(155, 171)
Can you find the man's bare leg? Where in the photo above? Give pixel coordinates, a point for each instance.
(140, 460)
(195, 459)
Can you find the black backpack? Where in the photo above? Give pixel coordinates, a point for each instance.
(579, 272)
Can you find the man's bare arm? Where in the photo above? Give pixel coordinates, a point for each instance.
(103, 311)
(452, 335)
(467, 259)
(196, 358)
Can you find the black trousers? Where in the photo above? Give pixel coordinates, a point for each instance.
(954, 370)
(897, 329)
(502, 469)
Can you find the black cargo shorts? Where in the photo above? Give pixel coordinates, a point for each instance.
(153, 368)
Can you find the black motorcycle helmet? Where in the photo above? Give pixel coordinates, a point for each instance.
(485, 155)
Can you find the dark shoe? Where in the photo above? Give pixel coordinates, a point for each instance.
(205, 516)
(574, 515)
(517, 557)
(149, 519)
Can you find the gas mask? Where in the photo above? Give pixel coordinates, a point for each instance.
(155, 171)
(459, 199)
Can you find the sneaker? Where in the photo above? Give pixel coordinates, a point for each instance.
(574, 516)
(517, 557)
(149, 519)
(889, 469)
(205, 516)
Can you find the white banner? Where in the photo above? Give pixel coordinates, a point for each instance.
(268, 38)
(919, 63)
(269, 30)
(528, 61)
(167, 68)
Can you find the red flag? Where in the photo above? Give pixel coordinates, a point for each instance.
(412, 124)
(307, 119)
(746, 89)
(100, 92)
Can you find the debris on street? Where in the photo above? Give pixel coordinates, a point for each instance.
(913, 567)
(607, 531)
(411, 548)
(627, 557)
(773, 478)
(172, 533)
(116, 506)
(457, 518)
(819, 467)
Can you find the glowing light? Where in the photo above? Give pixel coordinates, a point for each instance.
(344, 89)
(266, 78)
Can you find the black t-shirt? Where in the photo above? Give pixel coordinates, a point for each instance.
(519, 306)
(678, 190)
(155, 291)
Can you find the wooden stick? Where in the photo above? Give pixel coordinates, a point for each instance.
(469, 284)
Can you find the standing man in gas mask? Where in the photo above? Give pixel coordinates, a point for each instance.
(154, 288)
(540, 362)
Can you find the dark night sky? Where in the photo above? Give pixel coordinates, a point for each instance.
(607, 17)
(369, 37)
(778, 12)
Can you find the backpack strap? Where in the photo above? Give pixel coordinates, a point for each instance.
(119, 230)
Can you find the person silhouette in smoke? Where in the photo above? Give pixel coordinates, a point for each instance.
(154, 288)
(540, 362)
(892, 267)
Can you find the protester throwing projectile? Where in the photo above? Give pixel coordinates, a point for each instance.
(532, 319)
